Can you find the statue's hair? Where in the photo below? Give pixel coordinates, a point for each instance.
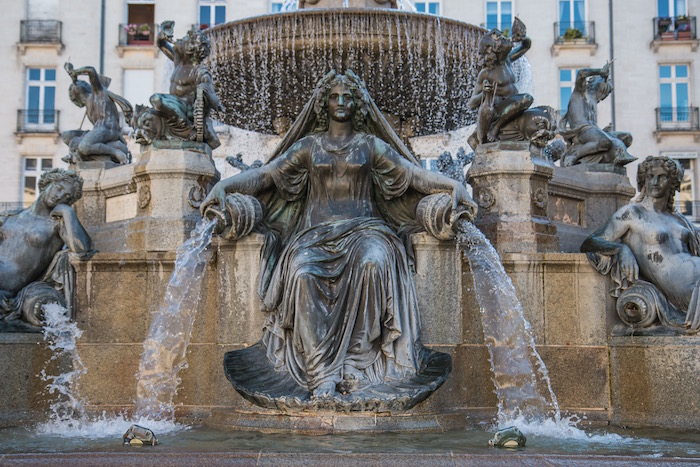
(675, 173)
(58, 175)
(490, 46)
(202, 44)
(359, 95)
(75, 89)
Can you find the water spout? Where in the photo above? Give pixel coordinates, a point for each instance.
(165, 347)
(508, 336)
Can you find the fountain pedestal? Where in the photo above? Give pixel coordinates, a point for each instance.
(151, 205)
(170, 184)
(511, 188)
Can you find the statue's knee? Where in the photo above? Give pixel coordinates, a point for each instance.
(84, 147)
(605, 144)
(527, 100)
(156, 101)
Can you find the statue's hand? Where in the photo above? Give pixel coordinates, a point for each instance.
(461, 201)
(628, 264)
(216, 198)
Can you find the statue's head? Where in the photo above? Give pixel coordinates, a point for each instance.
(196, 45)
(78, 93)
(600, 86)
(147, 124)
(347, 86)
(674, 173)
(60, 186)
(494, 47)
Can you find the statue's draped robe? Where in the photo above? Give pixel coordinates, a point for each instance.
(335, 274)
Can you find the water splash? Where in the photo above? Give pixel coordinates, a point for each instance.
(61, 336)
(523, 76)
(507, 335)
(519, 374)
(165, 347)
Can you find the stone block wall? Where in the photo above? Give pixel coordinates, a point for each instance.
(624, 380)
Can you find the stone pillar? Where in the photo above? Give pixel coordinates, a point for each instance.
(170, 181)
(511, 188)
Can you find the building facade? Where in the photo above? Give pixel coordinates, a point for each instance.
(654, 45)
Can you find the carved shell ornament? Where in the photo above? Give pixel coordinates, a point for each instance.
(539, 197)
(485, 198)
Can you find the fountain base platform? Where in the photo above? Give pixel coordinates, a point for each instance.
(325, 423)
(254, 377)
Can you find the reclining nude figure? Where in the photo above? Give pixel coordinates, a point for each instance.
(340, 196)
(649, 245)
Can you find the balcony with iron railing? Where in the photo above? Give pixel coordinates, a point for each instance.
(135, 36)
(579, 34)
(675, 30)
(677, 120)
(42, 33)
(37, 121)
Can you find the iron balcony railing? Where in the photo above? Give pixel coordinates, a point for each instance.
(677, 119)
(676, 28)
(578, 32)
(137, 34)
(37, 121)
(40, 31)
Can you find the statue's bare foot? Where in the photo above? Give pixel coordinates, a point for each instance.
(353, 381)
(492, 135)
(324, 391)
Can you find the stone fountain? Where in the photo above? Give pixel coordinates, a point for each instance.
(421, 71)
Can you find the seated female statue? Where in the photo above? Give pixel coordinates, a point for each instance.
(340, 204)
(649, 240)
(31, 238)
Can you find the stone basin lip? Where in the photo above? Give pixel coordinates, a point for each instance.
(447, 458)
(349, 11)
(419, 68)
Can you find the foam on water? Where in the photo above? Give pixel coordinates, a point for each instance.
(61, 335)
(104, 426)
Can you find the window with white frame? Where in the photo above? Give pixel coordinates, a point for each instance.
(40, 97)
(276, 7)
(32, 169)
(567, 82)
(428, 7)
(674, 99)
(671, 8)
(429, 163)
(685, 197)
(572, 15)
(499, 15)
(211, 13)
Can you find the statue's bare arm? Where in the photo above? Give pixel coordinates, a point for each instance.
(72, 231)
(92, 74)
(427, 182)
(478, 95)
(606, 241)
(163, 41)
(250, 182)
(584, 73)
(521, 50)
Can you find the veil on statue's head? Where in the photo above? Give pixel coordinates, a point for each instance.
(307, 121)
